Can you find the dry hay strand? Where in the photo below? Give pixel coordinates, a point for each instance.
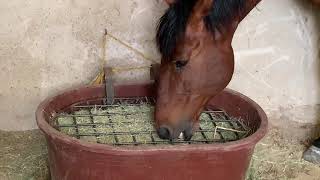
(137, 123)
(23, 155)
(278, 158)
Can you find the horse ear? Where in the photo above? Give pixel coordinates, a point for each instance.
(170, 1)
(249, 5)
(200, 10)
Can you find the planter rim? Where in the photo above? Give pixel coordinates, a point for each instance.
(52, 133)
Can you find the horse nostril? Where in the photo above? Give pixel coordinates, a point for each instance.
(187, 135)
(164, 133)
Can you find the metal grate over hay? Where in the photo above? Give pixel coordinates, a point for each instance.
(129, 121)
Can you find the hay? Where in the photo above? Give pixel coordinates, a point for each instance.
(23, 156)
(134, 124)
(276, 157)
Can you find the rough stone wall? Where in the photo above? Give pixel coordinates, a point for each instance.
(278, 52)
(48, 46)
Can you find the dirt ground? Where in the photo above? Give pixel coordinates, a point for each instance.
(23, 156)
(279, 156)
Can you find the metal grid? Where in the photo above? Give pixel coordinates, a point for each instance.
(211, 130)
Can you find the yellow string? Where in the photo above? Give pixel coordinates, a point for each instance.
(99, 79)
(132, 49)
(123, 69)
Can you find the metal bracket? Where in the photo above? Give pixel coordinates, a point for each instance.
(108, 76)
(154, 72)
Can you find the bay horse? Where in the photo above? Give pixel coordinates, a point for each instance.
(194, 39)
(316, 2)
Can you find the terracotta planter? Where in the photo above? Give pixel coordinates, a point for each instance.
(72, 159)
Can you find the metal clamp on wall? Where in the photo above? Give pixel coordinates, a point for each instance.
(154, 72)
(108, 76)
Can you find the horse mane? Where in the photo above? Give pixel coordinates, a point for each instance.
(173, 23)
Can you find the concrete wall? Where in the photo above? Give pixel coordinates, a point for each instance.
(278, 60)
(47, 46)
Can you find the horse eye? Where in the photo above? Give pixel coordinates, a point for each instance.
(180, 64)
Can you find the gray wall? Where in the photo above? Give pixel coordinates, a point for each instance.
(47, 46)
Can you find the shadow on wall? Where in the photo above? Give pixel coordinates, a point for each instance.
(311, 10)
(314, 9)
